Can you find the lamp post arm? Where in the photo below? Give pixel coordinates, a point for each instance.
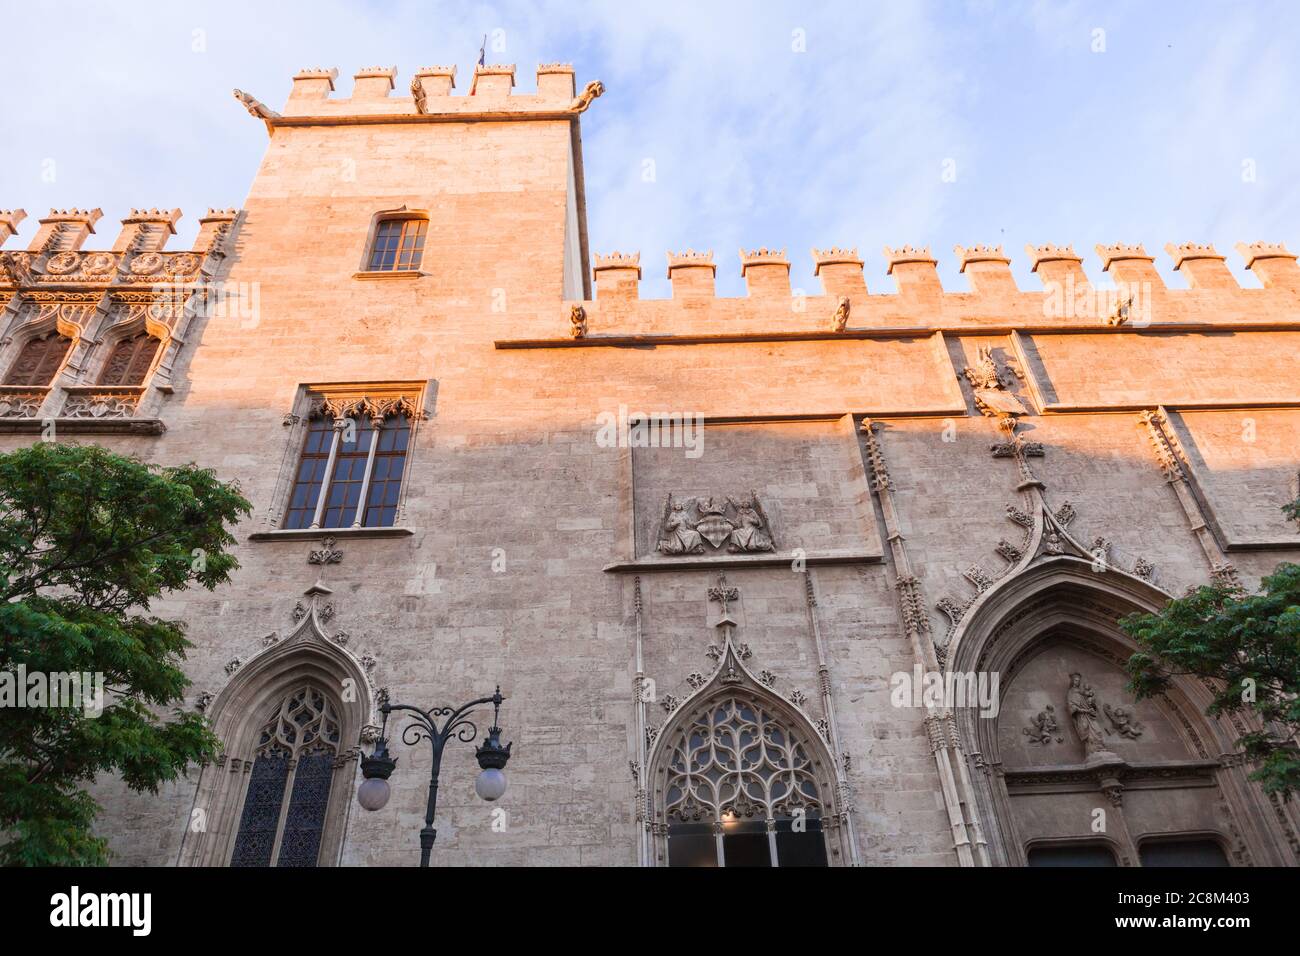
(426, 725)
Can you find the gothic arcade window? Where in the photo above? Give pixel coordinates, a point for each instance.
(398, 245)
(130, 360)
(351, 467)
(740, 791)
(1075, 854)
(39, 359)
(289, 786)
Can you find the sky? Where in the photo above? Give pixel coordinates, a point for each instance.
(785, 125)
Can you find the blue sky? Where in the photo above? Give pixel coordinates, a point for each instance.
(768, 124)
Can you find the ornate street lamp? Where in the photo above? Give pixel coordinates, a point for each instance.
(374, 791)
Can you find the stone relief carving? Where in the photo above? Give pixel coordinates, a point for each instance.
(326, 553)
(1043, 728)
(1122, 721)
(22, 404)
(711, 525)
(120, 403)
(989, 386)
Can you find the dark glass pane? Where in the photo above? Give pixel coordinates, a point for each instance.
(745, 844)
(261, 816)
(386, 478)
(1182, 853)
(349, 472)
(305, 819)
(692, 844)
(800, 849)
(398, 244)
(1084, 854)
(311, 471)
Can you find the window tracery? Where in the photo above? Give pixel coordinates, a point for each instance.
(740, 789)
(296, 753)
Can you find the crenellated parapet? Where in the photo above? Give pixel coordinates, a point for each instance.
(1272, 262)
(379, 95)
(56, 258)
(1066, 299)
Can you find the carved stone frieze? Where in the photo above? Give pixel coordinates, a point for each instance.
(363, 406)
(21, 403)
(110, 403)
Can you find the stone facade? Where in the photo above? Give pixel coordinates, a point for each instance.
(625, 511)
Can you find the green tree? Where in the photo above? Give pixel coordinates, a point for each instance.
(1250, 645)
(87, 539)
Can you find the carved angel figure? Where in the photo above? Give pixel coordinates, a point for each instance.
(679, 535)
(750, 534)
(1042, 727)
(1081, 701)
(1123, 721)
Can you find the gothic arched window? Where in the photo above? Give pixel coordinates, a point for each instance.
(39, 359)
(289, 786)
(740, 790)
(130, 360)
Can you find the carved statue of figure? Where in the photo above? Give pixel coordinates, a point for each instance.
(749, 534)
(842, 313)
(1123, 721)
(577, 322)
(1081, 701)
(679, 537)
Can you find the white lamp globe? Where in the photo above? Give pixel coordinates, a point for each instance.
(373, 793)
(491, 784)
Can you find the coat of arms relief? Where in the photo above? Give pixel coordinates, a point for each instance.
(709, 525)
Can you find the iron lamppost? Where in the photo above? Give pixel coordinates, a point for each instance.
(374, 791)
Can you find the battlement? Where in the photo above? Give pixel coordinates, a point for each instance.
(429, 94)
(56, 253)
(1066, 299)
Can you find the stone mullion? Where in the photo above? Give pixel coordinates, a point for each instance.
(329, 473)
(375, 432)
(967, 835)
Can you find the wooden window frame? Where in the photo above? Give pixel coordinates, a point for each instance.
(406, 257)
